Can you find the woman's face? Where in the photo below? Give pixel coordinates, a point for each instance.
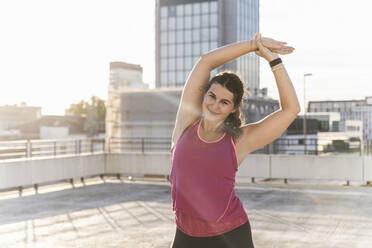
(217, 103)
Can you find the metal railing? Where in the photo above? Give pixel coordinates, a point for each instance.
(58, 147)
(279, 146)
(49, 148)
(140, 144)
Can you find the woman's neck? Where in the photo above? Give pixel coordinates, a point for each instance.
(211, 127)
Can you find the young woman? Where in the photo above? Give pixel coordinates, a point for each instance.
(209, 143)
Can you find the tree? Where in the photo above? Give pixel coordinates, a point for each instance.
(96, 107)
(95, 113)
(78, 109)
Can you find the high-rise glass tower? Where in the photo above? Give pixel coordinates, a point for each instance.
(186, 29)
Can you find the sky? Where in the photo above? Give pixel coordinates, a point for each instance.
(55, 53)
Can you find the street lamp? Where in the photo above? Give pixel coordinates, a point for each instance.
(304, 124)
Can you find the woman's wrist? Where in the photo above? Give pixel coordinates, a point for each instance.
(254, 46)
(277, 67)
(272, 57)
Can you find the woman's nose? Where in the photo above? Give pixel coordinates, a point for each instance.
(215, 105)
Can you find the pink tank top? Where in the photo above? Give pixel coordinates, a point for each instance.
(203, 179)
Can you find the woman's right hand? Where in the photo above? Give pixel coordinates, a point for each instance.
(263, 51)
(274, 46)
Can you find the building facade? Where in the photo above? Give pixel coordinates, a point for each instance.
(11, 116)
(186, 29)
(124, 75)
(349, 110)
(326, 133)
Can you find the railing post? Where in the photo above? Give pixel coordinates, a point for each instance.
(55, 148)
(360, 148)
(91, 145)
(143, 145)
(29, 149)
(79, 146)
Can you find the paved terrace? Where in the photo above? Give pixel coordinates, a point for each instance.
(110, 212)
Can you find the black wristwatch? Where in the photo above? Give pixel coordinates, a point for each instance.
(275, 62)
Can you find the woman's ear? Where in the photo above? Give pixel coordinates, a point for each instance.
(235, 109)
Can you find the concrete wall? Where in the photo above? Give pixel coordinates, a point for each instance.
(138, 163)
(35, 171)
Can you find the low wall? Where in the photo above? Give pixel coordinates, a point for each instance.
(43, 170)
(317, 167)
(138, 163)
(36, 171)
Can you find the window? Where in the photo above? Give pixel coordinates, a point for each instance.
(180, 50)
(188, 63)
(205, 7)
(163, 78)
(172, 77)
(171, 50)
(172, 10)
(196, 49)
(179, 36)
(213, 6)
(196, 22)
(204, 47)
(213, 20)
(180, 77)
(196, 8)
(179, 22)
(188, 35)
(171, 37)
(163, 64)
(205, 20)
(163, 11)
(188, 9)
(163, 37)
(179, 64)
(171, 64)
(188, 22)
(172, 23)
(179, 10)
(205, 34)
(214, 34)
(196, 35)
(163, 24)
(188, 49)
(163, 51)
(213, 45)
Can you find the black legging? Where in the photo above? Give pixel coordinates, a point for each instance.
(240, 237)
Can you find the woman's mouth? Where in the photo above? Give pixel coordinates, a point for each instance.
(212, 112)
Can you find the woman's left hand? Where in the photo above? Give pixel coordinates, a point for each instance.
(263, 51)
(275, 46)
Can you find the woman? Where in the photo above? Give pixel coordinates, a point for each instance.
(209, 143)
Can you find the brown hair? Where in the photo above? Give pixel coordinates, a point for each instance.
(231, 81)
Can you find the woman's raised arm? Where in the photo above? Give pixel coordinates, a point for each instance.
(258, 134)
(224, 54)
(190, 106)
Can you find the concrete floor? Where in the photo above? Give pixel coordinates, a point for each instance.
(117, 213)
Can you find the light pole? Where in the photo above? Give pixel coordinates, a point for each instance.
(304, 124)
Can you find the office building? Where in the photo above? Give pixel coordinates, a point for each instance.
(349, 110)
(186, 29)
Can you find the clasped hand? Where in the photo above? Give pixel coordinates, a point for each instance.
(269, 48)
